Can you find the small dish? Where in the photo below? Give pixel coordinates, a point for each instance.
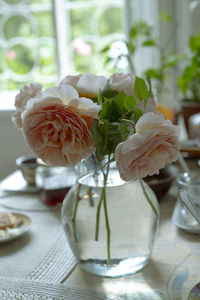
(10, 234)
(179, 221)
(15, 182)
(162, 182)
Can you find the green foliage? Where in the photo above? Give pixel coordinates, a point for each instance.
(141, 35)
(118, 117)
(189, 81)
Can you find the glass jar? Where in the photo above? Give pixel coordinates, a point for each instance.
(127, 214)
(192, 188)
(54, 182)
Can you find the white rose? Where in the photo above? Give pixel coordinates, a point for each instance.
(88, 85)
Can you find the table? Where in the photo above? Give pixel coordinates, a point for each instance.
(172, 271)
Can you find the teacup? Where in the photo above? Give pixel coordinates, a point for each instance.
(27, 164)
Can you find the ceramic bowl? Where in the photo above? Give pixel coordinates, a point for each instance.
(162, 182)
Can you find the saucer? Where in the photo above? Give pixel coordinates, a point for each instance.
(15, 182)
(179, 221)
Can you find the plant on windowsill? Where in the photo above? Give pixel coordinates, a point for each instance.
(189, 81)
(141, 36)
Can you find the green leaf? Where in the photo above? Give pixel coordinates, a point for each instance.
(108, 60)
(105, 49)
(133, 32)
(183, 84)
(118, 107)
(100, 135)
(130, 102)
(124, 131)
(96, 133)
(140, 89)
(153, 73)
(149, 83)
(109, 94)
(99, 98)
(137, 114)
(164, 16)
(114, 136)
(106, 109)
(149, 43)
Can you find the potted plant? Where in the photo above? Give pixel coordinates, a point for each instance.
(120, 54)
(189, 81)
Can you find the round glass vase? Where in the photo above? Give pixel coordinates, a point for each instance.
(111, 236)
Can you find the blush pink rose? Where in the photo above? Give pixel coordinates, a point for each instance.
(144, 153)
(88, 85)
(57, 126)
(26, 92)
(125, 82)
(58, 135)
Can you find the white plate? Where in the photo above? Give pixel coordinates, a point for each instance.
(12, 233)
(178, 220)
(15, 182)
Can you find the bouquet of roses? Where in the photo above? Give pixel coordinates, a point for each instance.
(87, 114)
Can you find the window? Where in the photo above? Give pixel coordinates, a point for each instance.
(33, 49)
(27, 43)
(43, 40)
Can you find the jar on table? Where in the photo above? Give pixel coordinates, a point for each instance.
(54, 182)
(191, 185)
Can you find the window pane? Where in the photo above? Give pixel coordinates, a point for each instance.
(110, 21)
(23, 27)
(27, 43)
(92, 26)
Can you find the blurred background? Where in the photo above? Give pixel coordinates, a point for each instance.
(44, 40)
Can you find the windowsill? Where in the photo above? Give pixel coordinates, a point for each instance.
(7, 100)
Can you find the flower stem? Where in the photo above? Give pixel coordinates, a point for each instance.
(89, 192)
(147, 196)
(107, 224)
(98, 216)
(103, 200)
(73, 218)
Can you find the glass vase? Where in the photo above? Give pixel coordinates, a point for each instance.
(111, 238)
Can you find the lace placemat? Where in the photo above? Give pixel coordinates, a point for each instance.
(11, 289)
(41, 254)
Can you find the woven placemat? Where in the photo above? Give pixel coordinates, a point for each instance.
(15, 289)
(41, 254)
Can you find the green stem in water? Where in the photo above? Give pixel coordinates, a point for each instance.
(103, 200)
(107, 224)
(73, 218)
(147, 196)
(98, 216)
(89, 192)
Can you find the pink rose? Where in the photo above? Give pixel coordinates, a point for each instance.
(125, 82)
(57, 127)
(88, 85)
(26, 92)
(154, 145)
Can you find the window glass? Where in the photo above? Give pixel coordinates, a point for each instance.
(91, 28)
(28, 45)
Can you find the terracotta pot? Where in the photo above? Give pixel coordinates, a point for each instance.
(188, 109)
